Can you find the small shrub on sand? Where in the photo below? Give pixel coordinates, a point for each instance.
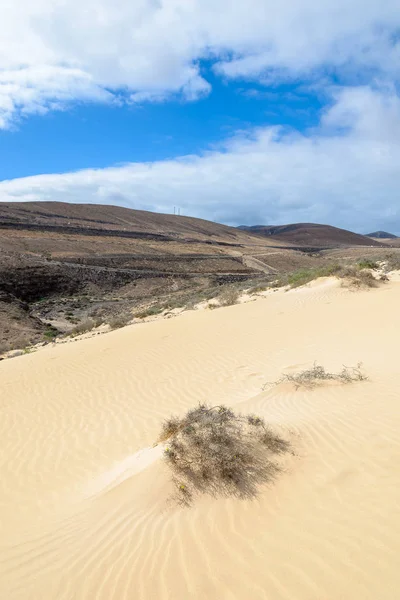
(366, 279)
(216, 451)
(309, 378)
(83, 327)
(228, 297)
(148, 312)
(120, 321)
(256, 289)
(354, 277)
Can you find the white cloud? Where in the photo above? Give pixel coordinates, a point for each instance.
(55, 52)
(345, 171)
(350, 178)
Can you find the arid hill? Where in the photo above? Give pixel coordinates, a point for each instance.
(311, 234)
(115, 221)
(62, 264)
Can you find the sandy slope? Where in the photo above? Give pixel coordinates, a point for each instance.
(83, 495)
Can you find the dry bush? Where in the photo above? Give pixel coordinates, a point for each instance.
(228, 297)
(366, 279)
(169, 428)
(309, 378)
(256, 289)
(392, 261)
(148, 312)
(120, 321)
(216, 451)
(359, 278)
(83, 327)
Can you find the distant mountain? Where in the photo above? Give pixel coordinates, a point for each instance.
(311, 235)
(382, 234)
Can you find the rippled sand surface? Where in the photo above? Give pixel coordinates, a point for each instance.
(84, 494)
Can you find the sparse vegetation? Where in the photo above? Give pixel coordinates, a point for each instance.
(309, 378)
(83, 327)
(256, 289)
(148, 312)
(50, 333)
(356, 275)
(303, 276)
(229, 297)
(392, 262)
(213, 450)
(120, 321)
(367, 263)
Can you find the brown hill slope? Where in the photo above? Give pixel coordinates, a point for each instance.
(312, 234)
(67, 262)
(62, 264)
(98, 219)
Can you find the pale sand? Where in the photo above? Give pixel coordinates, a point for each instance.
(83, 494)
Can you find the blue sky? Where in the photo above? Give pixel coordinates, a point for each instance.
(98, 135)
(262, 113)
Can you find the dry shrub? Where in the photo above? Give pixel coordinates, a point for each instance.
(148, 312)
(359, 278)
(120, 321)
(216, 451)
(256, 289)
(83, 327)
(169, 428)
(309, 378)
(392, 261)
(228, 297)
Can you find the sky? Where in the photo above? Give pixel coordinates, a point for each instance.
(256, 112)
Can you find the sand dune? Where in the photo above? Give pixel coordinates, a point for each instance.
(84, 495)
